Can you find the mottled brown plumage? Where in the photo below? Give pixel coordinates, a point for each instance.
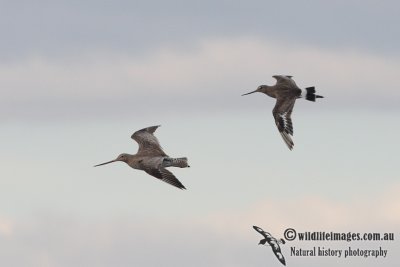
(151, 158)
(286, 92)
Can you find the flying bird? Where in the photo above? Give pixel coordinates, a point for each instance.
(151, 158)
(286, 92)
(273, 242)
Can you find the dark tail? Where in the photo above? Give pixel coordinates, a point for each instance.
(310, 94)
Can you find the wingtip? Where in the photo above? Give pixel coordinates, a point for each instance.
(150, 129)
(155, 127)
(182, 187)
(288, 140)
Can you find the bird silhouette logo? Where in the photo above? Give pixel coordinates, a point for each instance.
(273, 242)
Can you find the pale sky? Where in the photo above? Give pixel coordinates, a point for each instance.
(78, 78)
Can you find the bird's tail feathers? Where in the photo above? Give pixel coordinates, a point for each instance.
(176, 162)
(309, 94)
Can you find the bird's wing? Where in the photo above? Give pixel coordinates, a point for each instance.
(283, 81)
(277, 251)
(261, 231)
(282, 113)
(148, 143)
(165, 176)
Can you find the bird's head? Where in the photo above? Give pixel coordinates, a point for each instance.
(260, 89)
(123, 157)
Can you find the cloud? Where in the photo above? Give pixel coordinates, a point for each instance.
(6, 227)
(72, 27)
(316, 213)
(213, 74)
(223, 239)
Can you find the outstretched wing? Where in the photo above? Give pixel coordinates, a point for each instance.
(165, 176)
(261, 231)
(148, 143)
(282, 113)
(284, 81)
(277, 251)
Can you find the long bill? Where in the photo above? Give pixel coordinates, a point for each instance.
(105, 163)
(250, 92)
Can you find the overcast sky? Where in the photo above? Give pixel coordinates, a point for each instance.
(77, 78)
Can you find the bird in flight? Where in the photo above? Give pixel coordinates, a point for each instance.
(273, 242)
(151, 158)
(286, 92)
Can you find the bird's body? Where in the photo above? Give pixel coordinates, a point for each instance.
(285, 91)
(151, 158)
(273, 242)
(285, 87)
